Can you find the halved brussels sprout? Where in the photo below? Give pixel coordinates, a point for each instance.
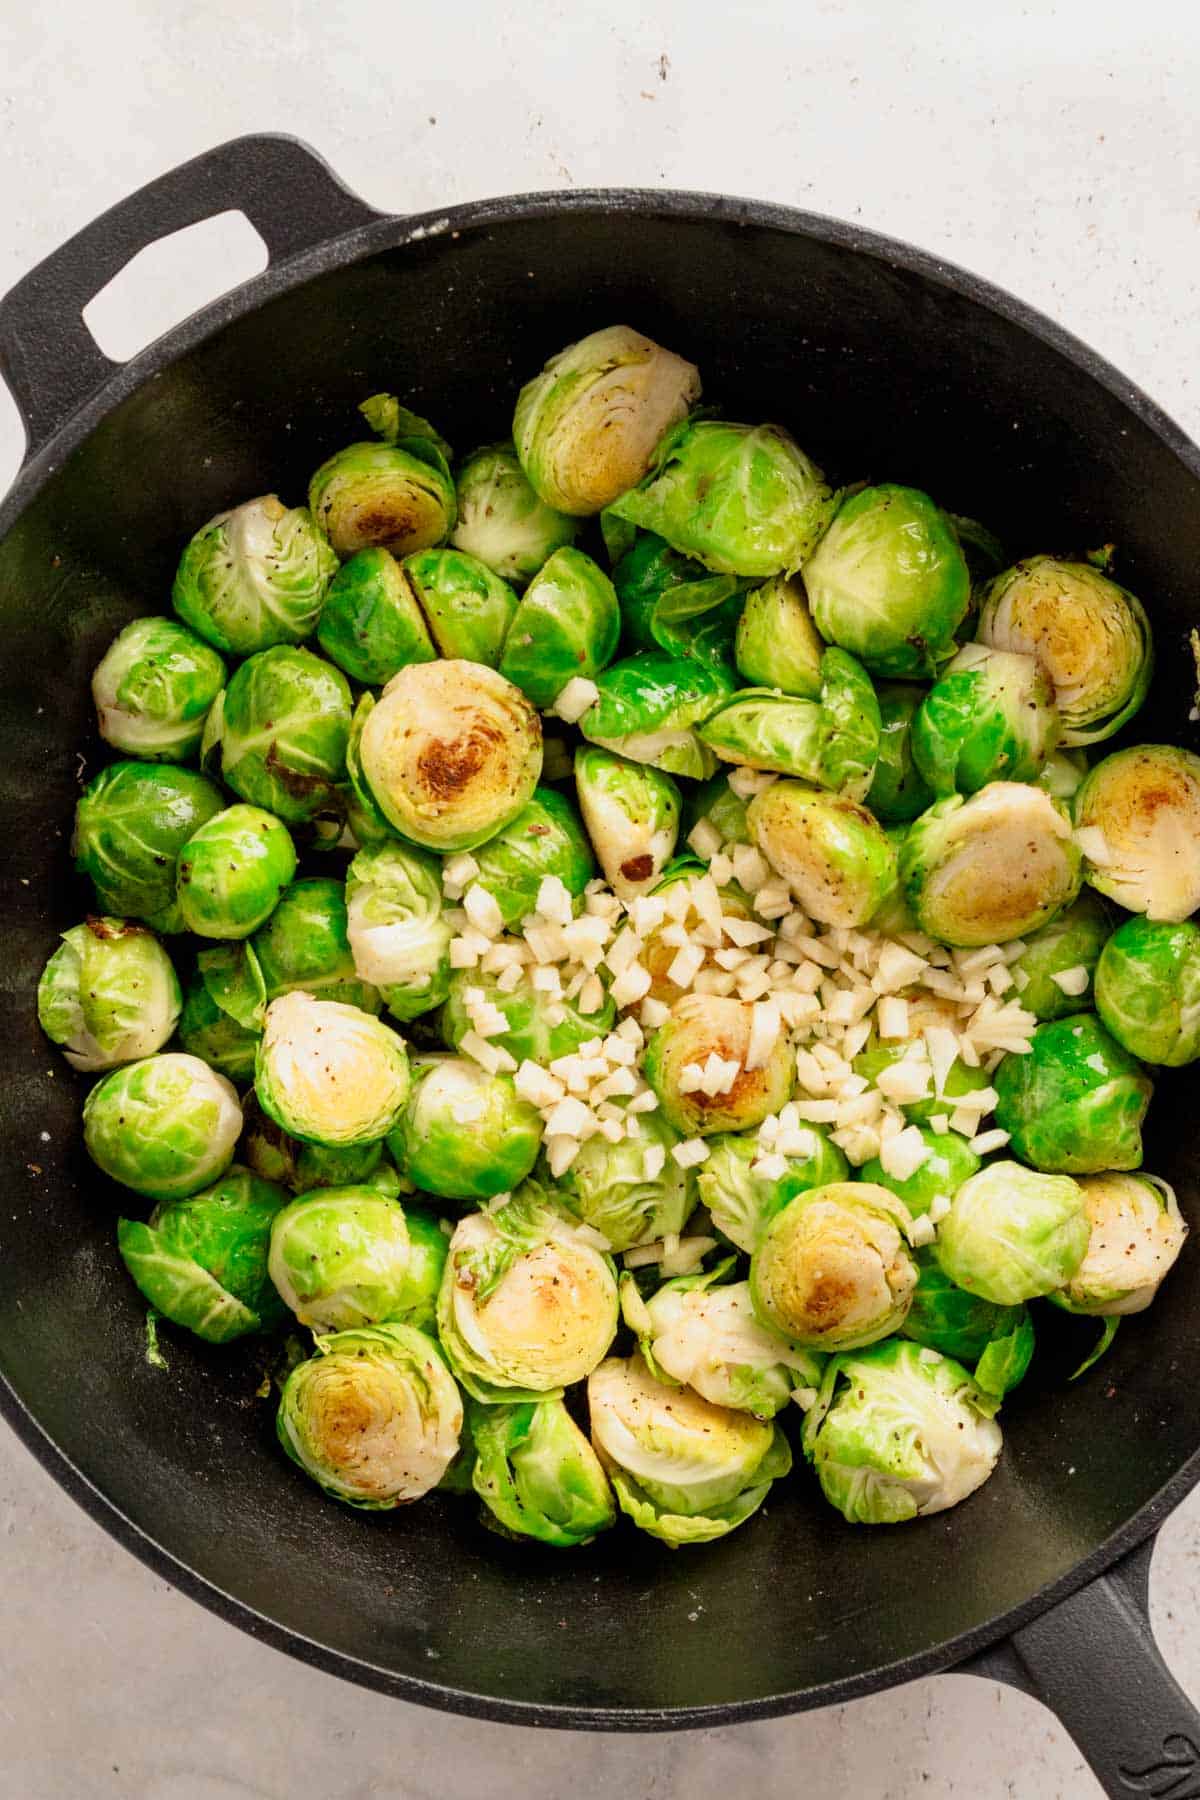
(832, 1270)
(1137, 816)
(1070, 943)
(741, 1203)
(207, 1031)
(1137, 1232)
(468, 606)
(254, 577)
(989, 868)
(990, 716)
(683, 1470)
(1091, 637)
(960, 1079)
(545, 838)
(702, 1026)
(108, 995)
(778, 646)
(397, 932)
(540, 1027)
(1076, 1102)
(1148, 990)
(888, 581)
(836, 858)
(285, 722)
(566, 625)
(305, 944)
(165, 1127)
(898, 790)
(715, 802)
(706, 1337)
(153, 688)
(537, 1474)
(1013, 1234)
(202, 1262)
(833, 741)
(528, 1304)
(371, 625)
(275, 1156)
(586, 427)
(501, 520)
(648, 707)
(998, 1340)
(374, 1417)
(950, 1162)
(741, 499)
(631, 1192)
(632, 815)
(232, 871)
(328, 1073)
(903, 1433)
(397, 494)
(451, 753)
(669, 602)
(342, 1257)
(464, 1134)
(131, 822)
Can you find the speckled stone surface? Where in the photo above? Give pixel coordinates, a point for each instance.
(1051, 148)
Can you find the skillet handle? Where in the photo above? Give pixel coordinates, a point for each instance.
(1093, 1661)
(48, 356)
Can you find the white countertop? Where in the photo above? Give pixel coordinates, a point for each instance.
(1052, 148)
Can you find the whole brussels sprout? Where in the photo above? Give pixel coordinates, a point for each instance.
(254, 577)
(990, 716)
(108, 995)
(1137, 820)
(632, 816)
(950, 1162)
(683, 1470)
(540, 1027)
(371, 624)
(742, 1202)
(343, 1256)
(701, 1026)
(397, 494)
(669, 602)
(537, 1474)
(586, 427)
(468, 607)
(566, 624)
(1137, 1232)
(396, 929)
(1071, 942)
(450, 754)
(305, 944)
(1148, 990)
(960, 1079)
(1091, 637)
(210, 1033)
(501, 520)
(545, 838)
(888, 581)
(232, 871)
(285, 722)
(1013, 1234)
(374, 1417)
(989, 868)
(631, 1192)
(131, 823)
(153, 688)
(1076, 1102)
(328, 1073)
(898, 790)
(998, 1340)
(836, 858)
(832, 1270)
(778, 646)
(833, 741)
(202, 1262)
(464, 1134)
(648, 707)
(165, 1127)
(716, 803)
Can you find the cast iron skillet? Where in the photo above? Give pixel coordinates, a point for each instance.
(888, 364)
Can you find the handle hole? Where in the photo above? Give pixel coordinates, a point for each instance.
(171, 279)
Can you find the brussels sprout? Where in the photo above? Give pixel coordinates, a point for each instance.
(1063, 773)
(208, 1032)
(233, 977)
(566, 625)
(540, 1027)
(153, 688)
(1013, 1234)
(202, 1262)
(1148, 990)
(468, 606)
(285, 722)
(833, 742)
(1071, 942)
(907, 1433)
(989, 717)
(586, 428)
(778, 646)
(537, 1474)
(1091, 637)
(683, 1470)
(715, 802)
(949, 1163)
(398, 494)
(898, 790)
(632, 815)
(888, 581)
(668, 602)
(275, 1156)
(647, 709)
(741, 499)
(500, 518)
(946, 1317)
(165, 1126)
(130, 825)
(395, 927)
(741, 1202)
(450, 754)
(545, 838)
(989, 868)
(838, 860)
(1136, 1234)
(1137, 819)
(1076, 1102)
(374, 1417)
(464, 1134)
(832, 1270)
(706, 1025)
(232, 871)
(254, 577)
(108, 995)
(631, 1192)
(328, 1073)
(343, 1256)
(371, 625)
(960, 1079)
(528, 1304)
(305, 944)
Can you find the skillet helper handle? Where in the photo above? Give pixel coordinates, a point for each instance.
(48, 356)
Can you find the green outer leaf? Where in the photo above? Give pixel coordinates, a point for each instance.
(165, 1126)
(395, 423)
(1108, 1331)
(778, 646)
(468, 606)
(1013, 1234)
(567, 624)
(1006, 1359)
(216, 1038)
(233, 977)
(371, 625)
(945, 1317)
(179, 1288)
(716, 1521)
(898, 790)
(538, 1475)
(989, 717)
(339, 1257)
